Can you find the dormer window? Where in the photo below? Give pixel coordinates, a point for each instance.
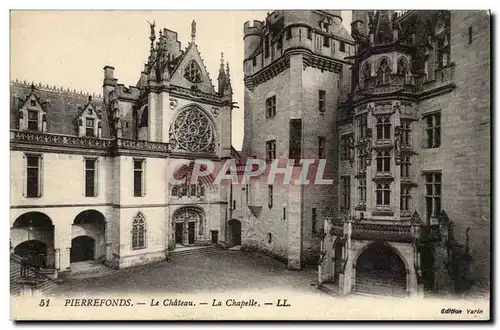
(89, 122)
(192, 72)
(90, 127)
(32, 120)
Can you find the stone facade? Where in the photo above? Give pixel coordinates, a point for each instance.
(90, 174)
(415, 165)
(292, 57)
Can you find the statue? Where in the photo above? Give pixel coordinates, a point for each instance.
(152, 35)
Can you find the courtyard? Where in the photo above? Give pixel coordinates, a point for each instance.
(220, 270)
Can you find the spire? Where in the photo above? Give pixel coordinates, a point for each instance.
(222, 74)
(193, 31)
(227, 72)
(228, 88)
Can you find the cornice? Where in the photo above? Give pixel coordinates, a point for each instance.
(283, 62)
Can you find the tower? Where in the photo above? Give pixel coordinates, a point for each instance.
(296, 76)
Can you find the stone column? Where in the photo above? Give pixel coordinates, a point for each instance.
(62, 241)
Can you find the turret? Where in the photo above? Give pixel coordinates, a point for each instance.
(252, 36)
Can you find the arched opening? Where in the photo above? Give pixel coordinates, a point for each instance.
(235, 231)
(82, 248)
(32, 237)
(383, 71)
(88, 233)
(34, 252)
(380, 270)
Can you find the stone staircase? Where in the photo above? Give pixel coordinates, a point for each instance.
(44, 284)
(187, 252)
(379, 287)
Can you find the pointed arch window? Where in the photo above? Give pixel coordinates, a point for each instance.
(192, 72)
(139, 232)
(403, 69)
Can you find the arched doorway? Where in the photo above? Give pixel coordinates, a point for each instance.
(235, 230)
(380, 270)
(35, 252)
(82, 248)
(88, 236)
(32, 237)
(188, 225)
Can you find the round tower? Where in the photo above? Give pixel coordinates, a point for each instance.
(252, 36)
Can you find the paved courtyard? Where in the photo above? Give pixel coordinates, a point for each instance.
(215, 271)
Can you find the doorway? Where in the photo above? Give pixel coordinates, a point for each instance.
(215, 236)
(235, 229)
(379, 270)
(191, 232)
(338, 260)
(179, 228)
(82, 248)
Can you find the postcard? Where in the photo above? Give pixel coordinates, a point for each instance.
(250, 165)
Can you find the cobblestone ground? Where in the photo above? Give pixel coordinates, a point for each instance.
(217, 271)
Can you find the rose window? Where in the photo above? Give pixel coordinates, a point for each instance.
(192, 131)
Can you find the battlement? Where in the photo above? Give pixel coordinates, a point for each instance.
(54, 89)
(253, 27)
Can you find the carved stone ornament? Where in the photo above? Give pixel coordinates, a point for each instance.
(173, 104)
(193, 131)
(215, 111)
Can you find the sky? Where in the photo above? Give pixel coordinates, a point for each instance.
(70, 48)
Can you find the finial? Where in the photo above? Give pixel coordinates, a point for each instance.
(90, 98)
(32, 87)
(193, 30)
(222, 60)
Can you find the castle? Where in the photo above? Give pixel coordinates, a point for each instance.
(89, 174)
(401, 112)
(399, 109)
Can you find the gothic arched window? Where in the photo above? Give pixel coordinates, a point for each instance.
(193, 131)
(139, 232)
(192, 72)
(382, 71)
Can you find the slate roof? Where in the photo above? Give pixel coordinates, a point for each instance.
(63, 112)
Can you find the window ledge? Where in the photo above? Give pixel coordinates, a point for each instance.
(360, 208)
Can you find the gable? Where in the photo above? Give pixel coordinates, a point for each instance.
(186, 73)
